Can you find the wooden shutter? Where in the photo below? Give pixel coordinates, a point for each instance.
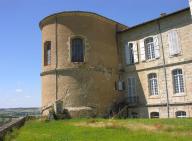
(174, 43)
(157, 46)
(127, 54)
(135, 52)
(142, 50)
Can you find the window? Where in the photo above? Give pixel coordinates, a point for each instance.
(47, 53)
(131, 86)
(77, 50)
(131, 54)
(154, 115)
(149, 48)
(178, 81)
(181, 114)
(134, 115)
(153, 86)
(174, 43)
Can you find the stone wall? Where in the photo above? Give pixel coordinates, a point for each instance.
(181, 22)
(15, 123)
(87, 85)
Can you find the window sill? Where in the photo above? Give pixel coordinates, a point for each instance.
(151, 60)
(179, 95)
(175, 55)
(154, 97)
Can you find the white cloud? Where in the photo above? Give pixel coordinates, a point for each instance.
(19, 90)
(27, 96)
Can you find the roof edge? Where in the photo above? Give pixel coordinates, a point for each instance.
(82, 12)
(156, 19)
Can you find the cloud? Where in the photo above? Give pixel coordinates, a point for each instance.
(19, 90)
(27, 96)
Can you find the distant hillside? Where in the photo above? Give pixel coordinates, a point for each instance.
(18, 112)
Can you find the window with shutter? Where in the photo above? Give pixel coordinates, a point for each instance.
(174, 43)
(131, 54)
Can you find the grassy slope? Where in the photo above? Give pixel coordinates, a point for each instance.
(106, 130)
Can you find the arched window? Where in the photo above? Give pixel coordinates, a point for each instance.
(149, 48)
(47, 53)
(178, 81)
(180, 114)
(153, 86)
(77, 50)
(154, 114)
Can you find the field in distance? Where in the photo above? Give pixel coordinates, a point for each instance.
(105, 130)
(18, 112)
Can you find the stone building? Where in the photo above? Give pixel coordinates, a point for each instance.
(94, 66)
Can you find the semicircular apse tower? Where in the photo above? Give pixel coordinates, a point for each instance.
(79, 63)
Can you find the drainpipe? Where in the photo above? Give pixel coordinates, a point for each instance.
(56, 60)
(164, 69)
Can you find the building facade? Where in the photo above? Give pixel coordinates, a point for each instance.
(94, 66)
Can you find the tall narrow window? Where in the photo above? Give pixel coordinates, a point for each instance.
(131, 86)
(131, 54)
(149, 48)
(178, 81)
(131, 57)
(77, 50)
(47, 53)
(153, 86)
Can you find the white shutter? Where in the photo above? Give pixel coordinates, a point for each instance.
(190, 4)
(135, 52)
(174, 43)
(142, 50)
(157, 46)
(127, 54)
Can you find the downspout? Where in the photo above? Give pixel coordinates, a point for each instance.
(164, 69)
(56, 61)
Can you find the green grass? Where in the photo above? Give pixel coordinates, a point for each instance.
(105, 130)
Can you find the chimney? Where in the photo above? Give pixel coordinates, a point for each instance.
(163, 14)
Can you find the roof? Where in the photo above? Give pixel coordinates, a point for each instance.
(82, 12)
(162, 17)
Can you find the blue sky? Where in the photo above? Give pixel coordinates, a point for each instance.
(20, 42)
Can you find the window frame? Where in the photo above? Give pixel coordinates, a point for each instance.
(47, 56)
(152, 115)
(178, 81)
(131, 54)
(82, 60)
(183, 114)
(149, 48)
(153, 84)
(131, 88)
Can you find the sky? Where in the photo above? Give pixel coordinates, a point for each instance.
(20, 38)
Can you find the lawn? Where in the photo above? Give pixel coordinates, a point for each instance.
(105, 130)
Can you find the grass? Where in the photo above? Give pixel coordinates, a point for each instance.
(105, 130)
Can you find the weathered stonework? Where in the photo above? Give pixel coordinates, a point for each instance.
(88, 88)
